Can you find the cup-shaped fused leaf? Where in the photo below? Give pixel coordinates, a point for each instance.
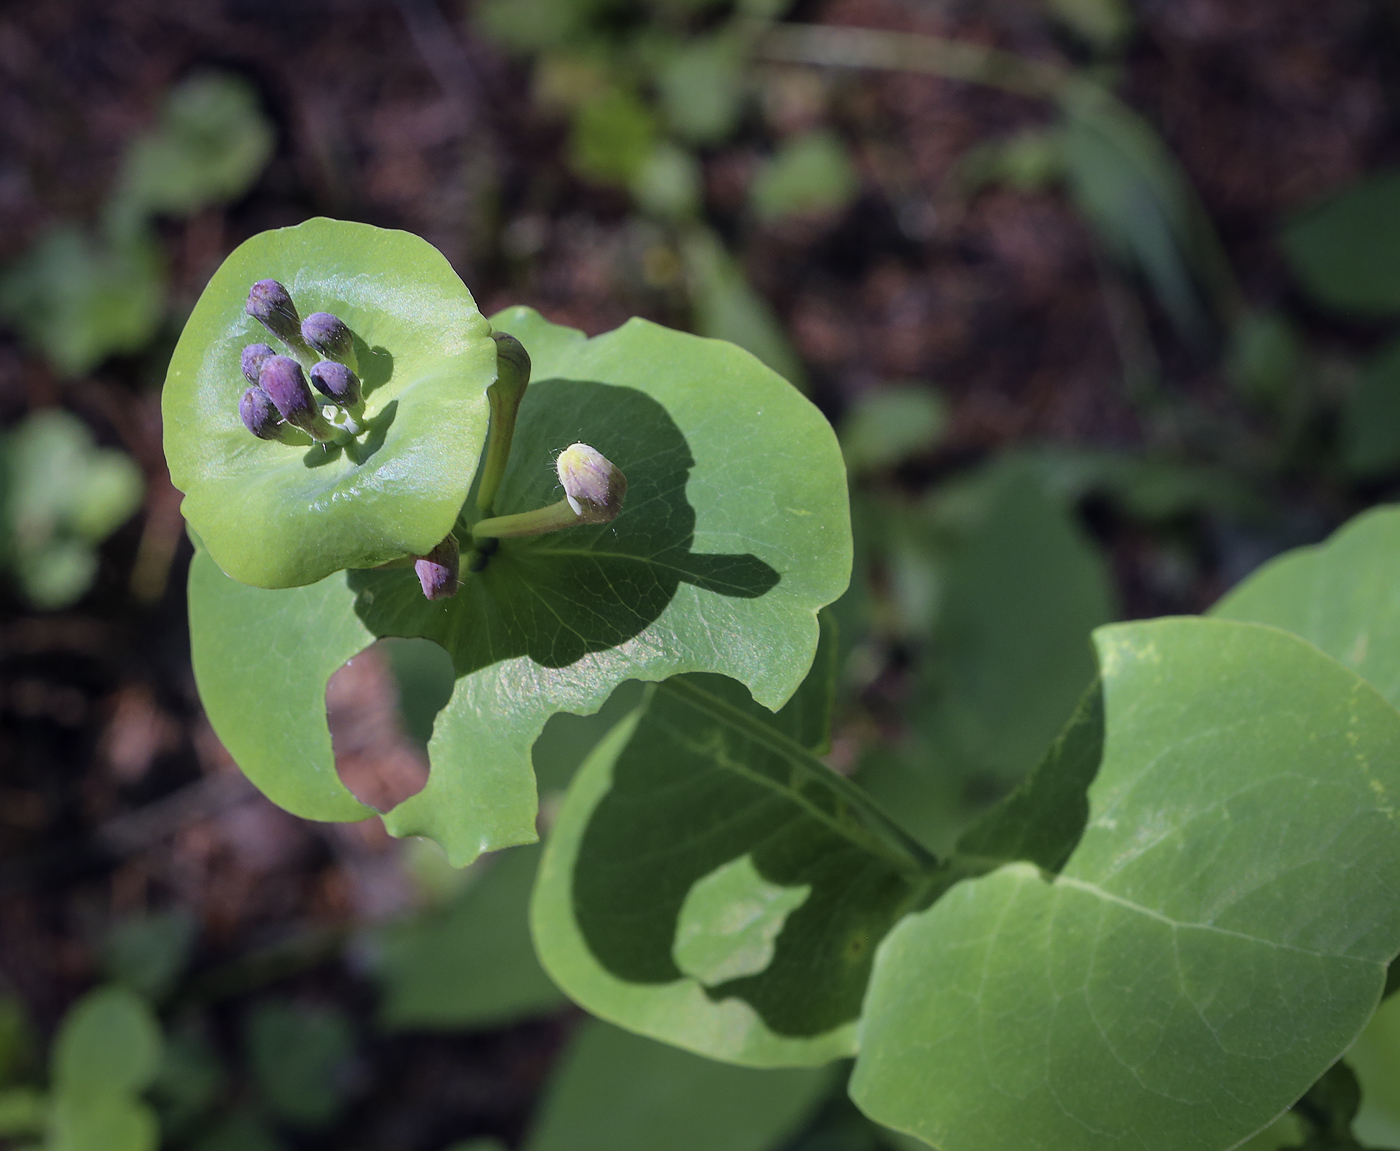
(281, 515)
(1217, 938)
(735, 532)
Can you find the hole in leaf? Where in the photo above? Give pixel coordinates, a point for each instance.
(381, 705)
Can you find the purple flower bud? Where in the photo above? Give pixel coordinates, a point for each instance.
(282, 379)
(593, 485)
(437, 571)
(271, 305)
(259, 414)
(327, 334)
(253, 357)
(337, 382)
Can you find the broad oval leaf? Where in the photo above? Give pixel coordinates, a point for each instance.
(1346, 250)
(711, 884)
(1341, 595)
(1218, 937)
(735, 532)
(280, 515)
(109, 1044)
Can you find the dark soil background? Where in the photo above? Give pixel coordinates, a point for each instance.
(115, 795)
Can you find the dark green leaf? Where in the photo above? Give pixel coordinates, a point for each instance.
(1009, 655)
(149, 954)
(619, 1092)
(1370, 429)
(299, 1057)
(711, 884)
(469, 964)
(1346, 251)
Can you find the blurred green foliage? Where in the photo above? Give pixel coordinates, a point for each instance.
(299, 1055)
(80, 295)
(1346, 250)
(60, 496)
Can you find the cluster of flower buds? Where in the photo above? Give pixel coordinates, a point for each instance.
(279, 404)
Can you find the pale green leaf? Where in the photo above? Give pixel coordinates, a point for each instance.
(282, 515)
(811, 173)
(109, 1044)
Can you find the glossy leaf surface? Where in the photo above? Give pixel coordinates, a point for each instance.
(711, 884)
(615, 1091)
(735, 532)
(1217, 938)
(284, 515)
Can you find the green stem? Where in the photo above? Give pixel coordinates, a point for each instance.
(881, 834)
(551, 519)
(504, 396)
(913, 52)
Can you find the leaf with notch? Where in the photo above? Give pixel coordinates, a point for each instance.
(711, 884)
(1217, 938)
(735, 532)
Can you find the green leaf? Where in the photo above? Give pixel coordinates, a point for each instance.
(79, 299)
(1131, 191)
(107, 1122)
(1218, 937)
(1103, 23)
(1370, 427)
(109, 1044)
(470, 964)
(1341, 595)
(613, 135)
(711, 884)
(299, 1056)
(885, 427)
(1376, 1060)
(1022, 588)
(59, 495)
(701, 88)
(1346, 250)
(23, 1111)
(727, 307)
(735, 532)
(615, 1091)
(210, 145)
(811, 173)
(149, 954)
(281, 515)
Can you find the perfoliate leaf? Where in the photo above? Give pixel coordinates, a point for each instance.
(735, 531)
(711, 884)
(1218, 937)
(620, 1092)
(282, 515)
